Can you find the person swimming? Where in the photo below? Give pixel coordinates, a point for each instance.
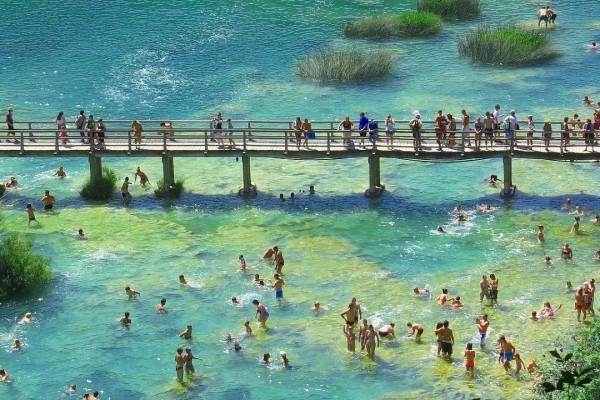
(422, 292)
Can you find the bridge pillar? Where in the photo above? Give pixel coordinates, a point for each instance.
(375, 186)
(168, 173)
(248, 189)
(95, 169)
(508, 190)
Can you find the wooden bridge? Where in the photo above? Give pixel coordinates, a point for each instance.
(277, 139)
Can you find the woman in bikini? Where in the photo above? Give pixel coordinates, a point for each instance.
(566, 252)
(580, 304)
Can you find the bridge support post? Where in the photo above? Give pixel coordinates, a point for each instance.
(375, 186)
(168, 173)
(248, 189)
(95, 169)
(509, 189)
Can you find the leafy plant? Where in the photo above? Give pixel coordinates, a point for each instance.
(20, 269)
(386, 26)
(565, 375)
(104, 189)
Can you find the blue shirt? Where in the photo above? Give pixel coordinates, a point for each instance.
(363, 122)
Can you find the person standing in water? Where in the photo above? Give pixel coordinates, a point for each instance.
(278, 286)
(350, 338)
(30, 213)
(125, 191)
(261, 313)
(482, 324)
(179, 363)
(188, 357)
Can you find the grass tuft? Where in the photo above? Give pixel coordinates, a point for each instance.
(451, 9)
(103, 190)
(509, 46)
(344, 65)
(173, 192)
(385, 26)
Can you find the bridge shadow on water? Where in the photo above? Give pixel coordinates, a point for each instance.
(388, 202)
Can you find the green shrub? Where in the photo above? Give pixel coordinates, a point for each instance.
(20, 269)
(102, 190)
(2, 189)
(512, 46)
(343, 65)
(385, 26)
(173, 192)
(459, 9)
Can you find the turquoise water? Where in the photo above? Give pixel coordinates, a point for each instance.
(184, 60)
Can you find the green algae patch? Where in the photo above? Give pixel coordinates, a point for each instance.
(345, 65)
(451, 9)
(412, 24)
(509, 46)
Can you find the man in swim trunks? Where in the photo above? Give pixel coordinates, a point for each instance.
(143, 177)
(131, 292)
(508, 348)
(415, 328)
(350, 315)
(277, 285)
(488, 128)
(440, 128)
(261, 313)
(125, 320)
(179, 362)
(125, 190)
(187, 333)
(482, 324)
(443, 298)
(160, 308)
(387, 330)
(48, 200)
(447, 338)
(542, 16)
(493, 289)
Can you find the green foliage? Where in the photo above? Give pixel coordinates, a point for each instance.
(20, 269)
(173, 192)
(458, 9)
(102, 190)
(511, 46)
(386, 26)
(2, 189)
(574, 375)
(343, 65)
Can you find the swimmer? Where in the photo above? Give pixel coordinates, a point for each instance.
(26, 319)
(597, 256)
(493, 180)
(131, 292)
(187, 333)
(520, 364)
(228, 337)
(266, 358)
(534, 316)
(416, 330)
(547, 311)
(443, 298)
(569, 286)
(292, 196)
(237, 346)
(484, 287)
(71, 390)
(350, 338)
(548, 260)
(281, 198)
(593, 47)
(4, 376)
(596, 219)
(482, 325)
(11, 182)
(575, 227)
(17, 345)
(125, 320)
(179, 363)
(532, 366)
(182, 280)
(579, 211)
(269, 253)
(456, 302)
(458, 208)
(48, 200)
(142, 175)
(566, 252)
(387, 330)
(461, 218)
(258, 280)
(421, 292)
(509, 349)
(60, 172)
(485, 208)
(586, 101)
(261, 313)
(160, 308)
(316, 307)
(311, 189)
(439, 229)
(371, 337)
(247, 327)
(235, 300)
(242, 262)
(568, 203)
(284, 360)
(470, 357)
(540, 235)
(80, 234)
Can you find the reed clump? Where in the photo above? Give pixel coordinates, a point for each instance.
(344, 65)
(451, 9)
(104, 189)
(411, 24)
(506, 45)
(173, 192)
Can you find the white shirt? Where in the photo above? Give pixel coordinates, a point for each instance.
(497, 116)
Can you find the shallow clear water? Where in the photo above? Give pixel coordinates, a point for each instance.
(184, 60)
